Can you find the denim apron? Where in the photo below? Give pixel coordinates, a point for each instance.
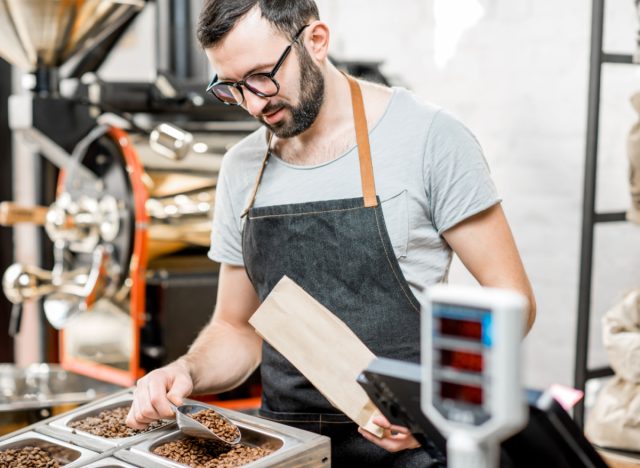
(339, 251)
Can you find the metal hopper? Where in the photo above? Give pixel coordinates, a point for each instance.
(46, 33)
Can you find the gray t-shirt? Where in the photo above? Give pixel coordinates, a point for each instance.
(430, 175)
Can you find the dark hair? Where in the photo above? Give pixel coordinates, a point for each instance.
(218, 17)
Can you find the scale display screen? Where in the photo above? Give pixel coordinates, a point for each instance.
(461, 360)
(461, 393)
(471, 329)
(461, 343)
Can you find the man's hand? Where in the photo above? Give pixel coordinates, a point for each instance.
(394, 438)
(225, 353)
(156, 391)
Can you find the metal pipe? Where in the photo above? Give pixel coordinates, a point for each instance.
(588, 205)
(57, 155)
(6, 193)
(180, 21)
(47, 83)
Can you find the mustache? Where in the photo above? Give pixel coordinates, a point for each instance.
(273, 107)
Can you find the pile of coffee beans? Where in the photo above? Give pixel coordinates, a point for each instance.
(217, 424)
(111, 424)
(207, 454)
(27, 457)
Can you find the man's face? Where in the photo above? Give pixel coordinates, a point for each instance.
(254, 46)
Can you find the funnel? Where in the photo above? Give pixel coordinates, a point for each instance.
(46, 33)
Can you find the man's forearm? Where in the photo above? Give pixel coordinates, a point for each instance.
(222, 357)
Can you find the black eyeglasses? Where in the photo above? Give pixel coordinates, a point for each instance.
(260, 84)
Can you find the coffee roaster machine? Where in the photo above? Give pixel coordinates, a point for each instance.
(130, 218)
(133, 169)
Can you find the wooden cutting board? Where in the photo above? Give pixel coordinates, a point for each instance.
(320, 346)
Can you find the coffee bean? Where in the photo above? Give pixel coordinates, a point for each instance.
(110, 424)
(207, 454)
(27, 457)
(217, 424)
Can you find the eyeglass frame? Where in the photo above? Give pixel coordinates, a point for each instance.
(242, 83)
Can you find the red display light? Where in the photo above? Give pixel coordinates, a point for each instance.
(461, 393)
(461, 328)
(461, 360)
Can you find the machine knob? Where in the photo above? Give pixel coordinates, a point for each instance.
(170, 141)
(84, 222)
(74, 223)
(24, 282)
(66, 291)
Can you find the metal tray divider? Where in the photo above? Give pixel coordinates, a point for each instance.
(108, 462)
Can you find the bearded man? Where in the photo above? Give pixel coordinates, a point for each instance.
(358, 192)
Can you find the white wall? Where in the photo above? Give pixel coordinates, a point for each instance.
(519, 81)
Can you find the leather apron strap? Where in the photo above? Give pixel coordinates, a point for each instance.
(259, 178)
(362, 139)
(364, 151)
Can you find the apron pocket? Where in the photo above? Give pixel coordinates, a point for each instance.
(396, 219)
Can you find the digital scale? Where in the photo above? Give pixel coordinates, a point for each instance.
(465, 404)
(471, 383)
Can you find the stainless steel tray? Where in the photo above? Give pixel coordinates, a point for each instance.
(249, 437)
(295, 447)
(59, 427)
(46, 385)
(68, 455)
(292, 447)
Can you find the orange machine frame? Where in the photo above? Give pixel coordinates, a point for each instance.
(137, 270)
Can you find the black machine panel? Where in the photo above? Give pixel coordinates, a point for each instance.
(179, 304)
(551, 439)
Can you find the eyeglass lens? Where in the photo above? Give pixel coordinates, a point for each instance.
(259, 84)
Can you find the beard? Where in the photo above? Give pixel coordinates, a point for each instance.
(311, 98)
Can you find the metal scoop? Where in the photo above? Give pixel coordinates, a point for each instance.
(193, 428)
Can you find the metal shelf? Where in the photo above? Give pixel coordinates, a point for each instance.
(617, 58)
(614, 217)
(599, 372)
(582, 372)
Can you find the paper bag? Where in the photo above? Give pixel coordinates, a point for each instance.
(614, 420)
(320, 346)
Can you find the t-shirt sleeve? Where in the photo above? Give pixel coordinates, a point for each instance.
(226, 231)
(456, 174)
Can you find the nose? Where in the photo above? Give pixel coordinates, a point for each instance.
(254, 104)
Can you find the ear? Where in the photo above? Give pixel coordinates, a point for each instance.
(317, 40)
